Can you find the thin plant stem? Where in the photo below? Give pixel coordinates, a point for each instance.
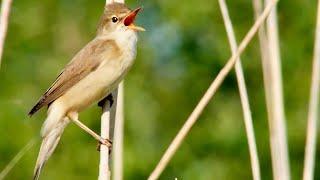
(243, 93)
(173, 147)
(107, 129)
(17, 158)
(277, 124)
(104, 169)
(311, 141)
(118, 136)
(264, 46)
(4, 21)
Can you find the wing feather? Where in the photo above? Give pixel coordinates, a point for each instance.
(86, 61)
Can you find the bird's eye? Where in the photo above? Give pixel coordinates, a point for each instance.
(114, 19)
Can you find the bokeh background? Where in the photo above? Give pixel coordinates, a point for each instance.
(181, 52)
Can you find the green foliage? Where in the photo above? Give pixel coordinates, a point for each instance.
(181, 52)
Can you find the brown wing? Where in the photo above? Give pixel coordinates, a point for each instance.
(86, 61)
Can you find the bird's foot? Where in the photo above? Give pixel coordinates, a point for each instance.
(105, 142)
(104, 100)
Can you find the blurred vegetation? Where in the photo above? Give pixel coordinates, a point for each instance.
(181, 52)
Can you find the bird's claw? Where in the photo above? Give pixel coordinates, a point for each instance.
(108, 98)
(105, 142)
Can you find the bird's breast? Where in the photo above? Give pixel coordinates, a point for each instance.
(102, 81)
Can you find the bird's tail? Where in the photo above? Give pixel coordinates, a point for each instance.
(51, 132)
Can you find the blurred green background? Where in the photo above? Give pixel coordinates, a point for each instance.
(181, 52)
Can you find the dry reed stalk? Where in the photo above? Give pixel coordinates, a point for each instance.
(4, 21)
(118, 136)
(263, 41)
(311, 141)
(17, 158)
(107, 131)
(104, 169)
(106, 118)
(209, 94)
(243, 93)
(277, 124)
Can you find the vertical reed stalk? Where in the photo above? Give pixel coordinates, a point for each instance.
(243, 93)
(106, 132)
(4, 21)
(277, 124)
(311, 141)
(118, 136)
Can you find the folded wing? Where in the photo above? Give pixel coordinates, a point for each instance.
(86, 61)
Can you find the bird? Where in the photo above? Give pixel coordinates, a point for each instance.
(92, 74)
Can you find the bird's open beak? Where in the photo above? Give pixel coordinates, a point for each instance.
(128, 21)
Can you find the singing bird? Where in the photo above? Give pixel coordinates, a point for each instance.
(93, 73)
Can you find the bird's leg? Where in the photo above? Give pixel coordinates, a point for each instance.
(74, 117)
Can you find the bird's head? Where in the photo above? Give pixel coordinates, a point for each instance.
(118, 18)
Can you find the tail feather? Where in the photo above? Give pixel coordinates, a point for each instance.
(37, 173)
(56, 113)
(49, 143)
(35, 109)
